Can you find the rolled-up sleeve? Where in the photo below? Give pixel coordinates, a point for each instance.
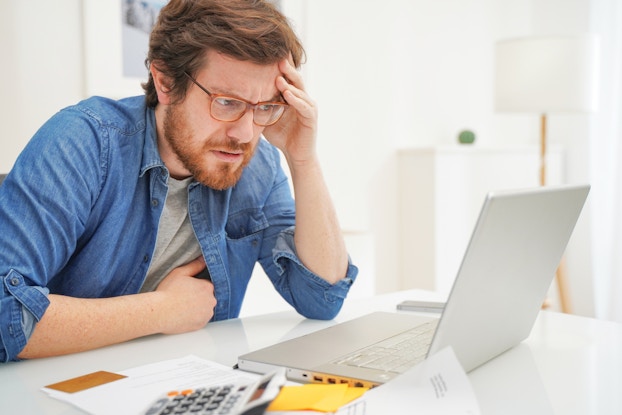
(20, 306)
(311, 295)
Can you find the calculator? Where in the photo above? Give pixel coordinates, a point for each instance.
(223, 399)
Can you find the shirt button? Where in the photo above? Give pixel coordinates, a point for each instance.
(14, 281)
(146, 258)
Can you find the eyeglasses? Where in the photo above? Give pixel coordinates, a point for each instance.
(229, 109)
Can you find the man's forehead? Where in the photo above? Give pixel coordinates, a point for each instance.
(227, 75)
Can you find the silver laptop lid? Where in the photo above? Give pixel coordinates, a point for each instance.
(508, 267)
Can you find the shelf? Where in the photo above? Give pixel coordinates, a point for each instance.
(441, 191)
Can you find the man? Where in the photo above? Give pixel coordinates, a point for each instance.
(114, 207)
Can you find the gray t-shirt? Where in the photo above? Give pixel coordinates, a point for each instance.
(176, 243)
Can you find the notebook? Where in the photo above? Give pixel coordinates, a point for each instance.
(509, 264)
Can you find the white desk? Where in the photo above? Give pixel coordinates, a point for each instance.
(569, 365)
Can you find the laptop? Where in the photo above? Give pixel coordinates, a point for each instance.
(503, 280)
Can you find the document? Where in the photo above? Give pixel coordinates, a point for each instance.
(130, 392)
(436, 386)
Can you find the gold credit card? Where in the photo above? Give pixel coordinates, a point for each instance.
(85, 382)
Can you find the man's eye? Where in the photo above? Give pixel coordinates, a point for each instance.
(266, 107)
(229, 102)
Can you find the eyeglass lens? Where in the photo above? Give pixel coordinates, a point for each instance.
(231, 109)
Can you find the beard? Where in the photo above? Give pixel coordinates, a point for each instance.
(191, 153)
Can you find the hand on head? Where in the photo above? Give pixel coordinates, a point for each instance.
(295, 132)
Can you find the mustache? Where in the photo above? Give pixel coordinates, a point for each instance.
(230, 145)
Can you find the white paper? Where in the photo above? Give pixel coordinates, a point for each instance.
(436, 386)
(144, 384)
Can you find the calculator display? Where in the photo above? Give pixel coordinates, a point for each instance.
(225, 399)
(261, 388)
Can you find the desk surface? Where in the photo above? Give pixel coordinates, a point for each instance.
(568, 365)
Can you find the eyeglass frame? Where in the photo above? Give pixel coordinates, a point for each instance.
(249, 105)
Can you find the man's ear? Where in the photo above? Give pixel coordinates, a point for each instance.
(161, 83)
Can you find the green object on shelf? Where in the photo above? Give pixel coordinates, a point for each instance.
(466, 137)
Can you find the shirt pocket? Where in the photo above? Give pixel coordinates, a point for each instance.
(246, 223)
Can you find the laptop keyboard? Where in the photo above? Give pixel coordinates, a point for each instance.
(395, 354)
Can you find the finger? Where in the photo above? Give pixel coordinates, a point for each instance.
(194, 267)
(293, 95)
(300, 109)
(291, 74)
(284, 86)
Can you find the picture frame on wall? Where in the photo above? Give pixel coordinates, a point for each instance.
(116, 40)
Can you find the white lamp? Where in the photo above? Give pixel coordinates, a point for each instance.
(544, 75)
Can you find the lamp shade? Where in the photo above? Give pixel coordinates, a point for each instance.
(547, 74)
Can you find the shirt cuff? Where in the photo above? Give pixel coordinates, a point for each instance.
(25, 306)
(285, 248)
(29, 319)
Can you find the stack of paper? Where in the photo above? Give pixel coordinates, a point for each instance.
(438, 385)
(131, 391)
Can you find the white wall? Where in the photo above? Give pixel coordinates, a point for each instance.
(41, 70)
(386, 75)
(412, 73)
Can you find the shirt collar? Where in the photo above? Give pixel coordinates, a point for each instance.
(151, 154)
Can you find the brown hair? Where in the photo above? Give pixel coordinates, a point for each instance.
(248, 30)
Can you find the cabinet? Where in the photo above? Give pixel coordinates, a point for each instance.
(441, 191)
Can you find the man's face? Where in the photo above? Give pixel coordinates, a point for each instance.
(214, 152)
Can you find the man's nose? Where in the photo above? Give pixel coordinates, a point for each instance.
(243, 129)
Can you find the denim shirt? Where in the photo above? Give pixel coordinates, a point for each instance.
(79, 215)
